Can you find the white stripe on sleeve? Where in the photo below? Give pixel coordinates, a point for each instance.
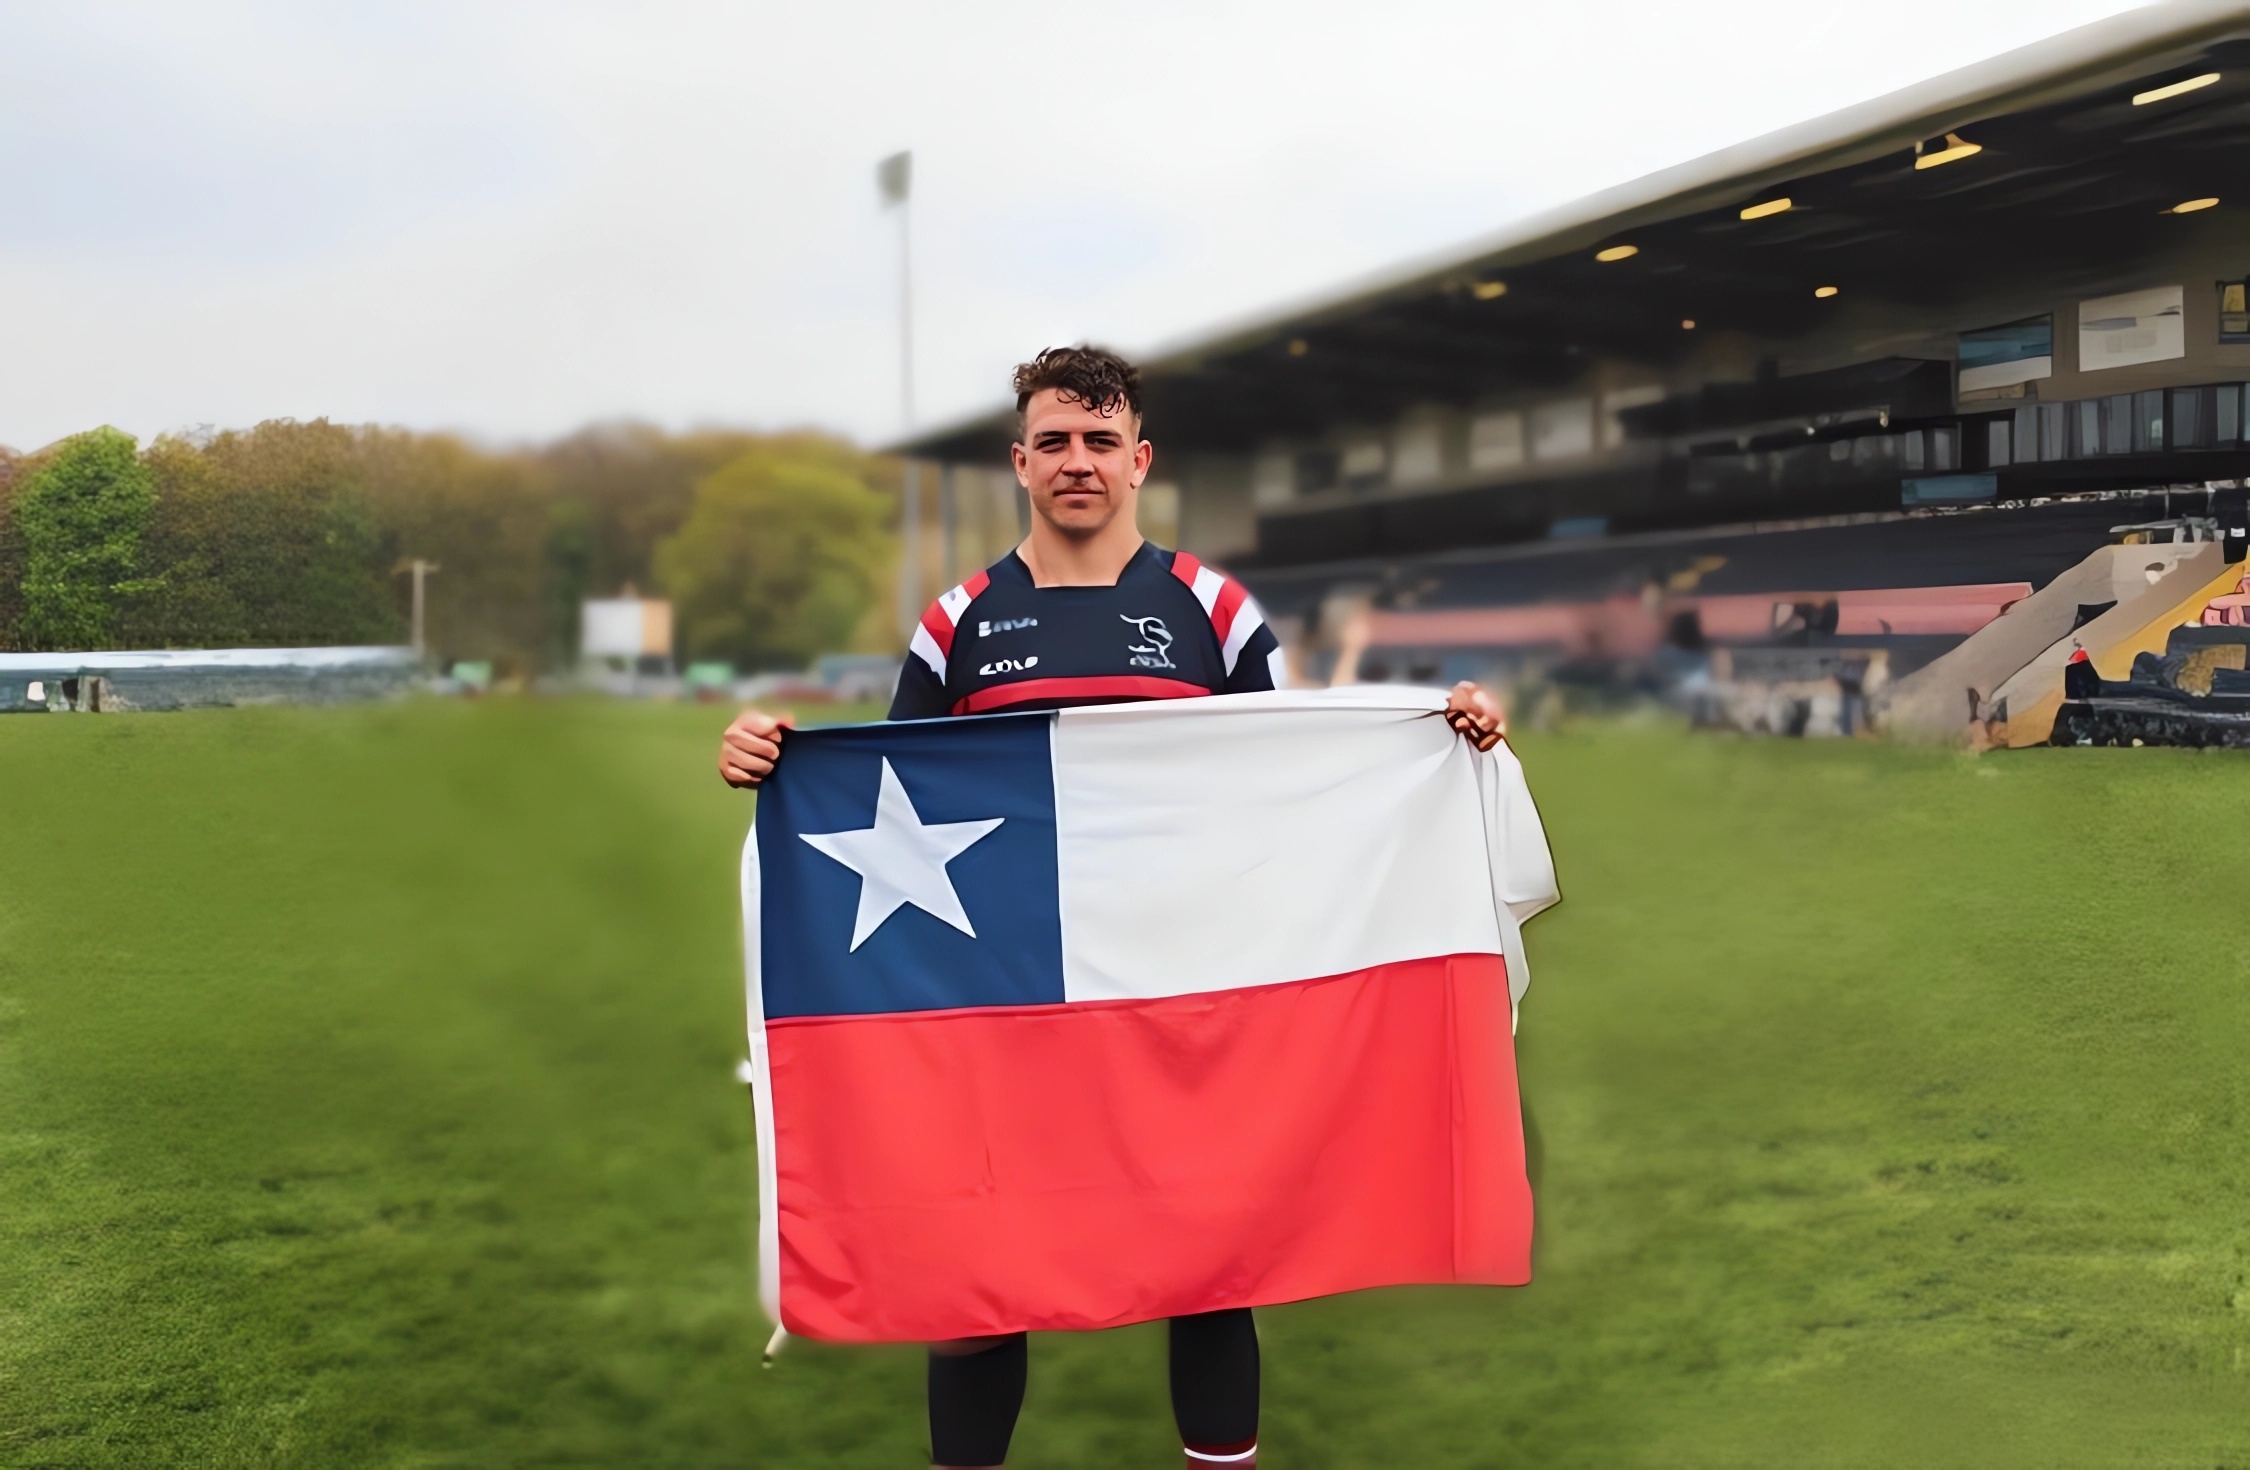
(1248, 619)
(1208, 586)
(925, 648)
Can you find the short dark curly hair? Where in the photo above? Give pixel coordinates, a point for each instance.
(1094, 376)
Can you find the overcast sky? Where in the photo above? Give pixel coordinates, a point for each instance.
(513, 218)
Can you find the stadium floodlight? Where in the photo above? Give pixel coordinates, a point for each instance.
(1617, 252)
(2176, 89)
(1956, 148)
(2191, 206)
(1488, 290)
(1824, 292)
(1771, 206)
(894, 181)
(1687, 323)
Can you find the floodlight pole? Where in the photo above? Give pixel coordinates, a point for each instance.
(421, 570)
(894, 177)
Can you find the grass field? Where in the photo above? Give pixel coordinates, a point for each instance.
(366, 1099)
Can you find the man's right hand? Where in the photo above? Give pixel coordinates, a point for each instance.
(751, 745)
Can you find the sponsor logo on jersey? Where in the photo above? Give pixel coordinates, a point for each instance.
(985, 628)
(1154, 651)
(1010, 665)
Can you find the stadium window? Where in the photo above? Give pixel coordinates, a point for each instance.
(2190, 424)
(1910, 452)
(2086, 426)
(2026, 434)
(1273, 479)
(1617, 402)
(2148, 422)
(1563, 429)
(1363, 464)
(1496, 441)
(2054, 431)
(1996, 438)
(2227, 425)
(1945, 450)
(1418, 454)
(1316, 471)
(2117, 424)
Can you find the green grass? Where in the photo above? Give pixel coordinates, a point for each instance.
(365, 1099)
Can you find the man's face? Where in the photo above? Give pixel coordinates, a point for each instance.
(1082, 468)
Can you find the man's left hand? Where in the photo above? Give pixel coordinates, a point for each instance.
(1476, 714)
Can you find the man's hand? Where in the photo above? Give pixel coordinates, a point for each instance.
(751, 745)
(1476, 714)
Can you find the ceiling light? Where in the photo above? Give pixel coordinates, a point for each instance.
(1488, 290)
(1617, 252)
(1955, 149)
(1824, 292)
(1771, 206)
(2192, 205)
(2177, 89)
(1298, 347)
(1687, 324)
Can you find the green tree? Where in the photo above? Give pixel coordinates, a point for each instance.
(12, 472)
(264, 536)
(82, 515)
(484, 519)
(779, 557)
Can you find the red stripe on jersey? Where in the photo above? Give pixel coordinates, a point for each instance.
(1229, 602)
(1095, 686)
(939, 627)
(1185, 567)
(939, 623)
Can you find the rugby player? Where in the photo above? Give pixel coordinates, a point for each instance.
(1085, 611)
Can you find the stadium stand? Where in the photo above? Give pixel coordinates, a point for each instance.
(1851, 413)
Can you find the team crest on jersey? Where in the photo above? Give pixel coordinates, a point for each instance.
(1154, 651)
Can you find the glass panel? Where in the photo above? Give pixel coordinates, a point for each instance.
(2229, 426)
(2117, 424)
(1996, 438)
(1945, 450)
(2054, 431)
(2026, 434)
(2088, 418)
(2148, 422)
(2188, 428)
(1910, 452)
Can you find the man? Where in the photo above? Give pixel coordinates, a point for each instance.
(1085, 611)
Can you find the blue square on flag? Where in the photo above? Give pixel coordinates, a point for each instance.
(911, 867)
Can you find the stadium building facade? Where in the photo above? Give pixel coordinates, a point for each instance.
(1780, 374)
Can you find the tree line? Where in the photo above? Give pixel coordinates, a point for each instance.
(773, 548)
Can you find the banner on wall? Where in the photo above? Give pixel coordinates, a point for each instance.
(2135, 327)
(2003, 356)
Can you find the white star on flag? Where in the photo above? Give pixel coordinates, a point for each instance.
(900, 860)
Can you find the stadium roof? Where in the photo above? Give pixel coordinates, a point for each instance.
(2073, 175)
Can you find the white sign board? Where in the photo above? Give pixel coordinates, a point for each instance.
(2136, 327)
(623, 627)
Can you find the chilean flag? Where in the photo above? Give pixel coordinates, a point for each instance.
(1075, 1019)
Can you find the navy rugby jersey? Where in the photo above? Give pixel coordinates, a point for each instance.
(1170, 628)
